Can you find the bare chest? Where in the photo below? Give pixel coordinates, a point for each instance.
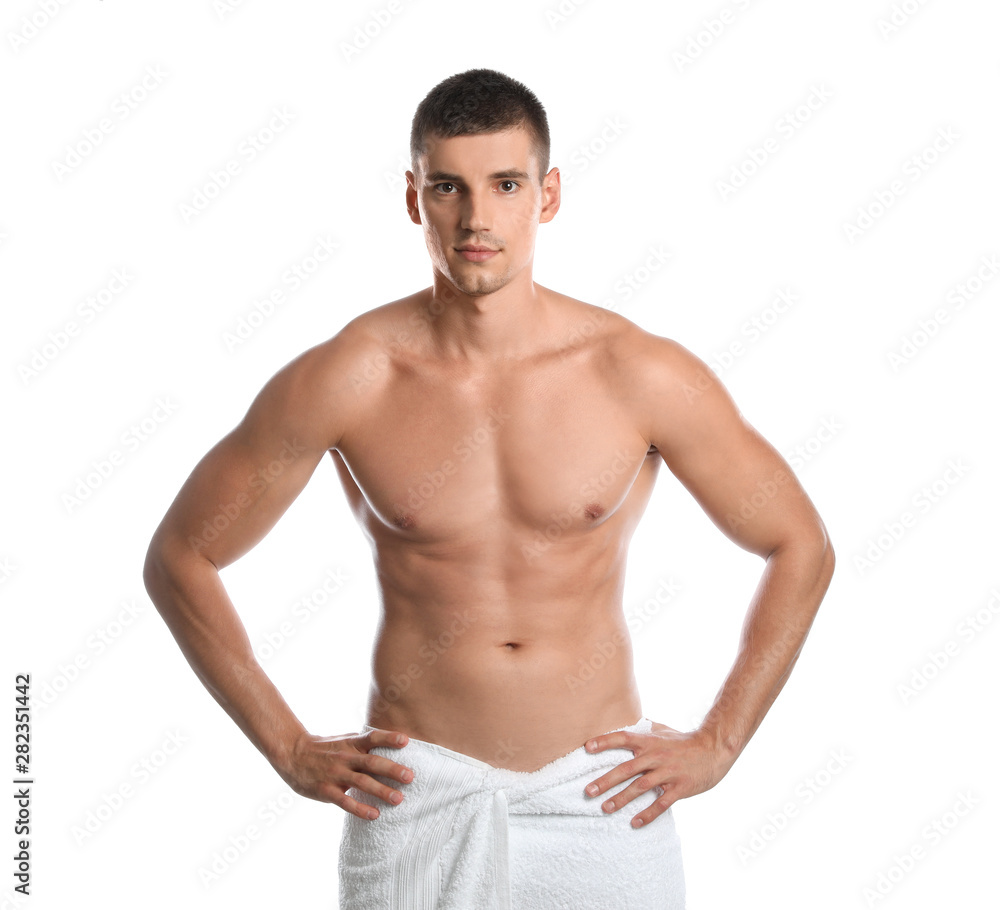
(443, 458)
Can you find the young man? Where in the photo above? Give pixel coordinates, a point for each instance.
(498, 443)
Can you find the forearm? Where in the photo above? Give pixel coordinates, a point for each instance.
(780, 615)
(189, 595)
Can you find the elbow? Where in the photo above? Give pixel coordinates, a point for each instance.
(824, 560)
(152, 571)
(828, 562)
(167, 566)
(814, 552)
(828, 559)
(156, 569)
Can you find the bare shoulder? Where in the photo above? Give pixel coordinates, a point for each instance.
(317, 394)
(341, 360)
(659, 363)
(631, 357)
(670, 392)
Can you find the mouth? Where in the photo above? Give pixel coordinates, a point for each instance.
(475, 253)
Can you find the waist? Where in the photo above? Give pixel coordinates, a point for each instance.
(513, 707)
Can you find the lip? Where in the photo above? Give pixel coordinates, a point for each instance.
(477, 253)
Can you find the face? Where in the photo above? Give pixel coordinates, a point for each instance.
(483, 192)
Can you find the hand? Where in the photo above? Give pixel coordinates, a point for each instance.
(681, 764)
(326, 767)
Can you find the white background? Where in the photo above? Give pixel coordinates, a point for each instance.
(893, 428)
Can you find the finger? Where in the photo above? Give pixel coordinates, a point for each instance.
(620, 739)
(655, 809)
(378, 764)
(349, 804)
(391, 738)
(338, 791)
(639, 786)
(617, 775)
(373, 787)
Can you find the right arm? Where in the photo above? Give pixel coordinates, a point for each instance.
(233, 497)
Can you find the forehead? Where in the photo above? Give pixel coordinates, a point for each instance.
(481, 154)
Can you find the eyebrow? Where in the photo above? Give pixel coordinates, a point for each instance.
(436, 176)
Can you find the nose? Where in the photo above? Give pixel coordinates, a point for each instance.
(475, 211)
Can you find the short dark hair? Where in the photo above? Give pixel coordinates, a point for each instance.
(480, 101)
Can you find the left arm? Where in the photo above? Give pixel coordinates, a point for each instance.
(751, 494)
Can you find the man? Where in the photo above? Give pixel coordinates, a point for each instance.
(498, 443)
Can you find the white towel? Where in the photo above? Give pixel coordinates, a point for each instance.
(469, 836)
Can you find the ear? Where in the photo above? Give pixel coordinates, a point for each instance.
(412, 208)
(551, 195)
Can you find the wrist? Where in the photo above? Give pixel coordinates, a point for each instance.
(725, 746)
(281, 749)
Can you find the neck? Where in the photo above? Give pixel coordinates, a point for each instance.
(510, 323)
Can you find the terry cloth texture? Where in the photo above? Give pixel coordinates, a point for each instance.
(469, 836)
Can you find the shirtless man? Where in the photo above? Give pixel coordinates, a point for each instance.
(498, 443)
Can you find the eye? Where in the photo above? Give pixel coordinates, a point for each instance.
(510, 183)
(438, 186)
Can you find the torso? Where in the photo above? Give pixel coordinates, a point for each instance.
(499, 508)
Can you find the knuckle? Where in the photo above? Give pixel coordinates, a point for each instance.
(327, 793)
(337, 772)
(329, 789)
(353, 779)
(335, 795)
(356, 809)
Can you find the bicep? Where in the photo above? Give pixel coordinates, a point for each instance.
(246, 481)
(740, 480)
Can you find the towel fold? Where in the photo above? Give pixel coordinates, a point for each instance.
(469, 836)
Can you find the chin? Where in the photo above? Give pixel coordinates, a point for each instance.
(486, 285)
